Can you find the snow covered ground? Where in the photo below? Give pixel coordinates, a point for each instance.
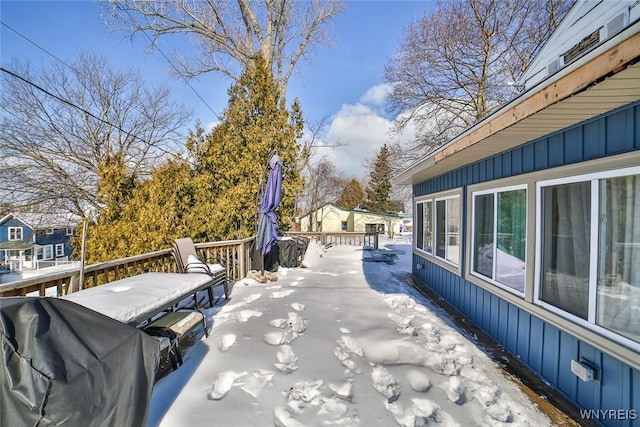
(345, 342)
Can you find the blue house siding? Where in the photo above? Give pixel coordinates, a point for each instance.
(545, 348)
(35, 237)
(59, 236)
(616, 133)
(27, 232)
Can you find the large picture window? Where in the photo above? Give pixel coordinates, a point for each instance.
(499, 236)
(618, 291)
(438, 227)
(590, 249)
(566, 243)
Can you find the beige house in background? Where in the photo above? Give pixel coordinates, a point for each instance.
(333, 218)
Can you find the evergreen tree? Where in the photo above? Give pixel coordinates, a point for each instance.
(156, 211)
(379, 189)
(232, 160)
(352, 194)
(214, 198)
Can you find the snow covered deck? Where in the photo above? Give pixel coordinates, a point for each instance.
(136, 299)
(343, 342)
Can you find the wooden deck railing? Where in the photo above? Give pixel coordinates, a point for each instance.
(344, 238)
(235, 255)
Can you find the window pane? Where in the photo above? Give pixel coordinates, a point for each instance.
(566, 238)
(441, 238)
(483, 235)
(428, 228)
(420, 225)
(511, 238)
(453, 230)
(618, 296)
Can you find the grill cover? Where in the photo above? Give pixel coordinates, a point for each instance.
(62, 363)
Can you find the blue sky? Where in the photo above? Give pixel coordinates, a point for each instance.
(342, 81)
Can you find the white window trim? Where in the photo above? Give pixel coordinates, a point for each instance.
(589, 324)
(432, 257)
(472, 271)
(14, 229)
(69, 231)
(415, 228)
(48, 231)
(44, 252)
(435, 227)
(59, 250)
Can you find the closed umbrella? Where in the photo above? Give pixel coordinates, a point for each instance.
(268, 221)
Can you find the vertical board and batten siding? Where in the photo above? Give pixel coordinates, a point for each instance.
(546, 349)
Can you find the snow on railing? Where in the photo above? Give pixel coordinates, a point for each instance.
(234, 255)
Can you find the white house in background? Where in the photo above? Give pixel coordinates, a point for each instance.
(334, 218)
(529, 221)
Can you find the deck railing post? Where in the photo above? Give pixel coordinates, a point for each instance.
(241, 267)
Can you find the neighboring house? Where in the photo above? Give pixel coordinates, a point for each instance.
(529, 222)
(29, 241)
(406, 222)
(333, 218)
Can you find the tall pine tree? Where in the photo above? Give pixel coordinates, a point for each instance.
(352, 194)
(379, 189)
(232, 160)
(214, 196)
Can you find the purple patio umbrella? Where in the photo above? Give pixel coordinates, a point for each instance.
(268, 221)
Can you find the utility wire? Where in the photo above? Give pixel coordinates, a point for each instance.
(71, 104)
(180, 74)
(175, 68)
(150, 40)
(68, 102)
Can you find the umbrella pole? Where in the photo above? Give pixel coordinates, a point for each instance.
(262, 264)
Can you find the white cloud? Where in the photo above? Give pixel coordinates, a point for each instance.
(376, 95)
(359, 130)
(362, 132)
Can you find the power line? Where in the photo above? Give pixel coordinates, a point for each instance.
(90, 78)
(90, 114)
(175, 68)
(76, 71)
(38, 46)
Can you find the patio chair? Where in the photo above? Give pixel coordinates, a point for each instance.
(187, 261)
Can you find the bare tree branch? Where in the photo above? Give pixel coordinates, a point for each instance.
(451, 68)
(229, 34)
(53, 149)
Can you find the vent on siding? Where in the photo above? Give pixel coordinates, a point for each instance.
(615, 25)
(553, 66)
(582, 47)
